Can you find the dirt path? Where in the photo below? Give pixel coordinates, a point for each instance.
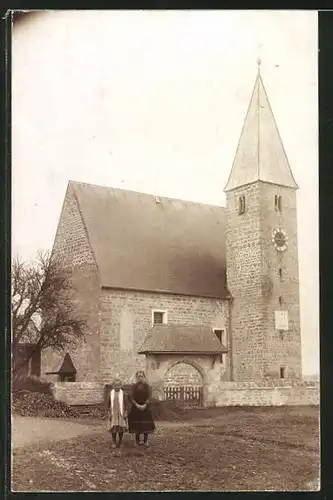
(182, 457)
(28, 431)
(271, 450)
(32, 430)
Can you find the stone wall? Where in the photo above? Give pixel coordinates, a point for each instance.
(256, 283)
(182, 374)
(281, 350)
(260, 394)
(243, 255)
(79, 393)
(274, 393)
(72, 248)
(126, 318)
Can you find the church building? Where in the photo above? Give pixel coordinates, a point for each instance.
(194, 294)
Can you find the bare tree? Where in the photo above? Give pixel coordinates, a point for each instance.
(43, 311)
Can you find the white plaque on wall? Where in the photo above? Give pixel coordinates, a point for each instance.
(281, 320)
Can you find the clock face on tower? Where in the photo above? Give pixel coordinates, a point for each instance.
(280, 240)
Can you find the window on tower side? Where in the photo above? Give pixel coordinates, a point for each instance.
(278, 203)
(241, 205)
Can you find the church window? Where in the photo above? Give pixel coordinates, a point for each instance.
(280, 300)
(241, 205)
(159, 317)
(278, 203)
(280, 272)
(282, 372)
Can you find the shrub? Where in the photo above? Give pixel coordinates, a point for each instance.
(32, 397)
(36, 404)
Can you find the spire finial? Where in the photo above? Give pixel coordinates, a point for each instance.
(258, 63)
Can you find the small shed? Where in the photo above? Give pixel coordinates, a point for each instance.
(67, 371)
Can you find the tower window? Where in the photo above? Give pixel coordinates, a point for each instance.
(278, 203)
(280, 272)
(280, 300)
(241, 205)
(282, 372)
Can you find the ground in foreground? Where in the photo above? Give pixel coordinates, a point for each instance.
(228, 449)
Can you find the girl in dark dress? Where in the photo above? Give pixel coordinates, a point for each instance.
(140, 419)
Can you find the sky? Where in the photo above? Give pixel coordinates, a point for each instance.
(154, 101)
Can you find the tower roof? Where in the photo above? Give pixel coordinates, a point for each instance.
(260, 155)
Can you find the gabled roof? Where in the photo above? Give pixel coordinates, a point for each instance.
(149, 243)
(181, 339)
(67, 366)
(260, 153)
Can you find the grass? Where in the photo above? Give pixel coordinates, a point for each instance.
(218, 449)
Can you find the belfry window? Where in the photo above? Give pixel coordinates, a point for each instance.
(278, 203)
(67, 371)
(282, 372)
(241, 205)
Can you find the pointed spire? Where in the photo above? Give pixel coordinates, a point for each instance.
(260, 154)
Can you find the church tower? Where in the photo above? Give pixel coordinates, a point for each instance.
(262, 254)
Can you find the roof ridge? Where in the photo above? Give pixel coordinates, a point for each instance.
(173, 248)
(87, 184)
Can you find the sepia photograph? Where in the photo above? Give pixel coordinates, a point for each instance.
(165, 251)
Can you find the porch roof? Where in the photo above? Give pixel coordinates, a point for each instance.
(182, 339)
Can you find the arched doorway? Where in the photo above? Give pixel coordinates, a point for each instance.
(183, 383)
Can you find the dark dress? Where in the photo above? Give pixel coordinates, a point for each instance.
(140, 421)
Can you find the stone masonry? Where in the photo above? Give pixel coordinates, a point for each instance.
(137, 308)
(182, 374)
(255, 283)
(72, 248)
(117, 320)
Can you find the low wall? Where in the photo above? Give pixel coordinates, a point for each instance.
(79, 393)
(263, 393)
(270, 393)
